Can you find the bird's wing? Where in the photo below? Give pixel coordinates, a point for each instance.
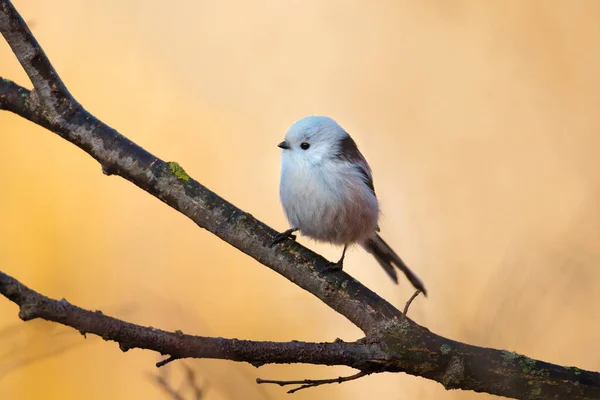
(349, 152)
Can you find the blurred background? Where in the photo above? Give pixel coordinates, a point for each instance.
(479, 119)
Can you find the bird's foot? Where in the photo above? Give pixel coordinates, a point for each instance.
(282, 236)
(334, 266)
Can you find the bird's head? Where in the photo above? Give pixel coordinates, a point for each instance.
(313, 140)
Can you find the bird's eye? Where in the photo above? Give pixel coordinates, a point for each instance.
(304, 145)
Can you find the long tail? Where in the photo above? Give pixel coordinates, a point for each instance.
(387, 258)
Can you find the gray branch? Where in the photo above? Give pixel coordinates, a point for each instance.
(393, 343)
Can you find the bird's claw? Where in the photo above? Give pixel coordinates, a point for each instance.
(280, 237)
(333, 267)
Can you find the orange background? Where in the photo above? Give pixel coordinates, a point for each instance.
(479, 119)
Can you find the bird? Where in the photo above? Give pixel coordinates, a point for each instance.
(327, 194)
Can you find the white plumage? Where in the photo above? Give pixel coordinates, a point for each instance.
(327, 192)
(336, 206)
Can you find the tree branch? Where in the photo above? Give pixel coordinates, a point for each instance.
(308, 383)
(13, 97)
(394, 342)
(179, 345)
(52, 91)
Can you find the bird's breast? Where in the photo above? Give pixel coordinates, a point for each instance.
(328, 204)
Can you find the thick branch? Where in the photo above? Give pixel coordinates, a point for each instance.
(394, 343)
(179, 345)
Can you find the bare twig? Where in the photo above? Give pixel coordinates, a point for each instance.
(163, 381)
(197, 390)
(166, 387)
(308, 383)
(409, 302)
(393, 342)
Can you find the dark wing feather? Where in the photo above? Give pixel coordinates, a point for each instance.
(348, 151)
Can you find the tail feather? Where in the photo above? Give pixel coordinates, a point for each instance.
(387, 258)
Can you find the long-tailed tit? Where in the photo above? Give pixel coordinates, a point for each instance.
(327, 193)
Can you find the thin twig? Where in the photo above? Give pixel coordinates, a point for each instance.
(162, 383)
(308, 383)
(191, 381)
(409, 302)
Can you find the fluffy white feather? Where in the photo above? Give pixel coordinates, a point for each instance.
(327, 191)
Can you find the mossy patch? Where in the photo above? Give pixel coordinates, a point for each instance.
(508, 357)
(527, 365)
(536, 393)
(394, 334)
(178, 171)
(445, 349)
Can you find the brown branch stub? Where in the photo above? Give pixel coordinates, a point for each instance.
(394, 343)
(308, 383)
(166, 361)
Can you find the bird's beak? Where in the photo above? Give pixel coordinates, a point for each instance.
(284, 145)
